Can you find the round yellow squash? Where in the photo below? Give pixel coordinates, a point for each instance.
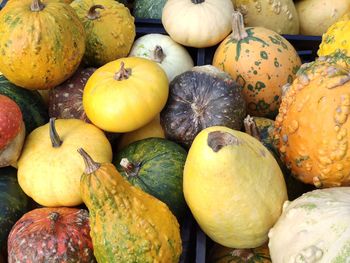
(49, 170)
(125, 94)
(233, 186)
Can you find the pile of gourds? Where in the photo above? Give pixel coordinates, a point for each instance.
(107, 142)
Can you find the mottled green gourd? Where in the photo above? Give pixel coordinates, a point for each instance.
(127, 224)
(148, 8)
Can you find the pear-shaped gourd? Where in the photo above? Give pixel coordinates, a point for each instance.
(127, 224)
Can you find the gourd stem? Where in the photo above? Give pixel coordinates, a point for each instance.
(54, 216)
(197, 1)
(219, 139)
(250, 127)
(93, 13)
(238, 29)
(123, 73)
(158, 54)
(129, 168)
(90, 165)
(55, 138)
(37, 6)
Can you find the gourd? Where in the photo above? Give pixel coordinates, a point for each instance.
(40, 57)
(313, 228)
(66, 100)
(262, 61)
(155, 165)
(125, 94)
(127, 224)
(110, 30)
(310, 129)
(279, 16)
(197, 23)
(49, 168)
(12, 132)
(148, 9)
(51, 235)
(317, 16)
(200, 98)
(171, 56)
(233, 169)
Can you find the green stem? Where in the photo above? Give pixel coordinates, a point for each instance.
(37, 6)
(93, 13)
(90, 165)
(238, 29)
(55, 138)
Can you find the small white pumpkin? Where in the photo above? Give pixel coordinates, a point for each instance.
(313, 228)
(171, 56)
(198, 23)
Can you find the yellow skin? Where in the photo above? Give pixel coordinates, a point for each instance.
(51, 176)
(127, 104)
(235, 194)
(39, 50)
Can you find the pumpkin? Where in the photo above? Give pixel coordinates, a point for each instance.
(51, 235)
(221, 254)
(171, 56)
(310, 129)
(316, 16)
(13, 204)
(148, 8)
(200, 98)
(50, 168)
(66, 100)
(155, 165)
(40, 57)
(313, 228)
(151, 129)
(110, 30)
(262, 61)
(125, 94)
(233, 169)
(279, 16)
(12, 131)
(197, 23)
(33, 109)
(336, 39)
(127, 224)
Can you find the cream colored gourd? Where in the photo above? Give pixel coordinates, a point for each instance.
(197, 23)
(277, 15)
(233, 186)
(313, 228)
(171, 56)
(315, 16)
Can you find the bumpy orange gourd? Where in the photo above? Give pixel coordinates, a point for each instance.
(41, 43)
(312, 127)
(262, 61)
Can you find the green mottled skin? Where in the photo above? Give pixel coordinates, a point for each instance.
(13, 202)
(30, 102)
(161, 164)
(148, 8)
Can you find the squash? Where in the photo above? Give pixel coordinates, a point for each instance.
(336, 39)
(279, 16)
(233, 169)
(317, 16)
(200, 98)
(13, 204)
(313, 228)
(151, 129)
(221, 254)
(155, 165)
(12, 131)
(32, 106)
(49, 168)
(127, 224)
(311, 127)
(110, 30)
(262, 61)
(197, 23)
(51, 235)
(125, 94)
(149, 9)
(66, 100)
(42, 44)
(171, 56)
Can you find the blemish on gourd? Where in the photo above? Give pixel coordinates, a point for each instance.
(263, 55)
(218, 139)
